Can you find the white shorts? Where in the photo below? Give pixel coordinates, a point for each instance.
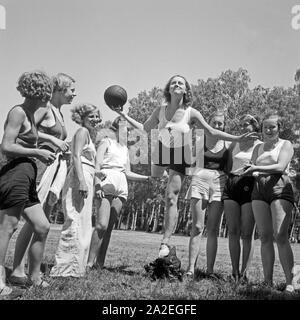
(115, 184)
(207, 184)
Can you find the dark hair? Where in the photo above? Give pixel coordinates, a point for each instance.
(273, 114)
(254, 121)
(35, 85)
(187, 97)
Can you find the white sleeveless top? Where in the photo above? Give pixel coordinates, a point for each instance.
(266, 158)
(116, 155)
(88, 153)
(241, 158)
(178, 127)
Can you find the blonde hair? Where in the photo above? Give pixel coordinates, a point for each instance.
(81, 110)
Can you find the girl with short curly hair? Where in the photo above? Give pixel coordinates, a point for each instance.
(77, 195)
(18, 195)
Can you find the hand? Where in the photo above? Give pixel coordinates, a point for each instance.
(248, 170)
(46, 156)
(83, 189)
(248, 136)
(61, 144)
(99, 193)
(100, 175)
(118, 109)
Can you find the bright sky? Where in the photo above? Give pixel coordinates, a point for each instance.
(140, 44)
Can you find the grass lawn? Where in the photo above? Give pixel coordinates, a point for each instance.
(124, 277)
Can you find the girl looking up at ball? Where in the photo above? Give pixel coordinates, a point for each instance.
(174, 119)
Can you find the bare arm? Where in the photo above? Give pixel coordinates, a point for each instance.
(101, 150)
(217, 133)
(149, 124)
(80, 139)
(132, 175)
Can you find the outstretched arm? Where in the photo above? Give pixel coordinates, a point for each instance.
(220, 134)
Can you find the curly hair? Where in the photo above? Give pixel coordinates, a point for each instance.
(187, 97)
(35, 85)
(254, 121)
(81, 110)
(62, 81)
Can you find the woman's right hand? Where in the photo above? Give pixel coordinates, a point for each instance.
(248, 136)
(46, 156)
(61, 144)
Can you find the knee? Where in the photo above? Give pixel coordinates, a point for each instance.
(234, 232)
(43, 229)
(212, 231)
(246, 236)
(172, 198)
(266, 238)
(280, 238)
(197, 229)
(100, 228)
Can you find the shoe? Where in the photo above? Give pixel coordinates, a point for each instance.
(289, 289)
(22, 282)
(214, 276)
(189, 275)
(234, 278)
(12, 293)
(41, 284)
(163, 250)
(243, 279)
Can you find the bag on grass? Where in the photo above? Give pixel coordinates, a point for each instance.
(168, 267)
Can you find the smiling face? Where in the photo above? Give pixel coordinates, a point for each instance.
(270, 129)
(92, 120)
(177, 86)
(68, 94)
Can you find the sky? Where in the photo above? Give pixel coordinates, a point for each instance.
(140, 44)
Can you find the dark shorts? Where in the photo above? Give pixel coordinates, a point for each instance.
(239, 189)
(273, 187)
(177, 159)
(18, 184)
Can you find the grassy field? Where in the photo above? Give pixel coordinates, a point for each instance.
(124, 277)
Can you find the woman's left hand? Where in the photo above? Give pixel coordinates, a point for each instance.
(248, 136)
(83, 190)
(248, 170)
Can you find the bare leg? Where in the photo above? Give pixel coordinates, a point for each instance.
(198, 208)
(263, 219)
(215, 210)
(116, 207)
(102, 220)
(282, 214)
(232, 213)
(40, 225)
(172, 192)
(247, 229)
(8, 224)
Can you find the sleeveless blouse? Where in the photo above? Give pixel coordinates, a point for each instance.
(175, 133)
(215, 160)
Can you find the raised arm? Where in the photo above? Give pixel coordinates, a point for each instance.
(149, 124)
(101, 150)
(220, 134)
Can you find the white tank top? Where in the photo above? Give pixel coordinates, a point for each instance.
(116, 155)
(175, 130)
(241, 158)
(266, 158)
(88, 153)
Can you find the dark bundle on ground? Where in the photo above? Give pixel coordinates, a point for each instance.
(168, 267)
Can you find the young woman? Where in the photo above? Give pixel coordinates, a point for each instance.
(205, 193)
(73, 247)
(273, 198)
(113, 168)
(237, 201)
(175, 118)
(18, 194)
(52, 136)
